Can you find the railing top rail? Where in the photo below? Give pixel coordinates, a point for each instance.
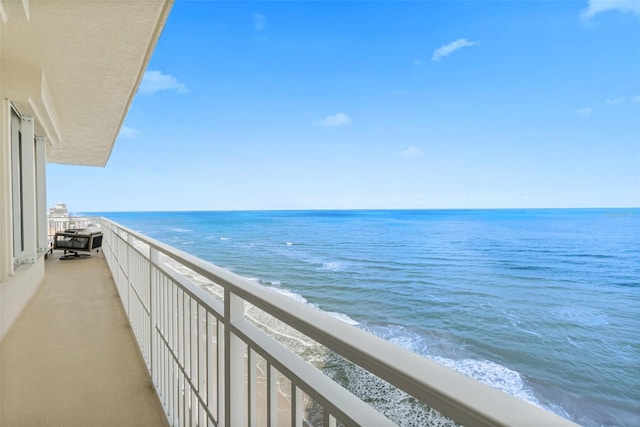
(455, 395)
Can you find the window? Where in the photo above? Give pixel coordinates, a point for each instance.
(24, 174)
(17, 187)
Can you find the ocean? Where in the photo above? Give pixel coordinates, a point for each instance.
(543, 304)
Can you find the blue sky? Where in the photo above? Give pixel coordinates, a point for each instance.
(321, 105)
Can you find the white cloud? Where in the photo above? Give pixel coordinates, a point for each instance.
(127, 133)
(636, 99)
(615, 100)
(411, 152)
(259, 21)
(448, 49)
(156, 81)
(583, 111)
(336, 120)
(597, 6)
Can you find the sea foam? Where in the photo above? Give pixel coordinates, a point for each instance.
(332, 266)
(297, 297)
(492, 374)
(485, 371)
(179, 230)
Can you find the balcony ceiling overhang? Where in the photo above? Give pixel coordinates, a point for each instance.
(75, 67)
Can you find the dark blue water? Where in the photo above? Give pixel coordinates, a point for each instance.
(543, 304)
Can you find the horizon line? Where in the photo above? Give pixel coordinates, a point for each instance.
(359, 209)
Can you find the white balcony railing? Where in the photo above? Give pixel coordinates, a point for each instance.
(212, 364)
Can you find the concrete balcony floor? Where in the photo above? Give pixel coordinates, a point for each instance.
(71, 359)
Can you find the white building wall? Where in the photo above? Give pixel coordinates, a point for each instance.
(16, 292)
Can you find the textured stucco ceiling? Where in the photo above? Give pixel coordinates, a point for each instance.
(92, 55)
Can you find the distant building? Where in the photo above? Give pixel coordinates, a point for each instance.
(59, 211)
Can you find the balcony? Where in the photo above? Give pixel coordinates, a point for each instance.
(71, 359)
(202, 338)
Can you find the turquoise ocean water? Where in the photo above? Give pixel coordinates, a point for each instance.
(543, 304)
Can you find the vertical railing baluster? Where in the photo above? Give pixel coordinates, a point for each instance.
(166, 334)
(182, 410)
(186, 306)
(272, 396)
(194, 343)
(174, 347)
(251, 387)
(296, 406)
(180, 336)
(220, 359)
(129, 242)
(201, 383)
(218, 386)
(210, 367)
(328, 419)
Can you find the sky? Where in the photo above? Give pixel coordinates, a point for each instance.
(378, 105)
